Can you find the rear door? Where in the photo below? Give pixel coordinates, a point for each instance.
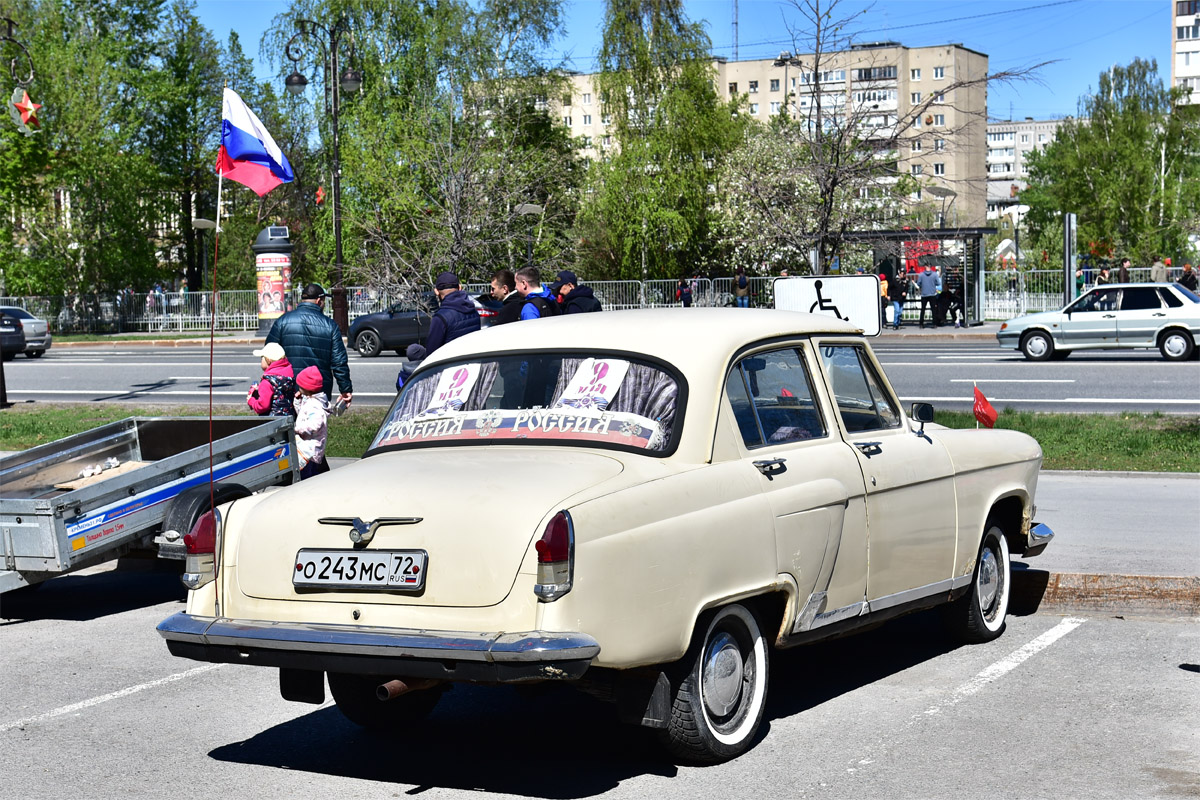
(1140, 316)
(909, 481)
(790, 449)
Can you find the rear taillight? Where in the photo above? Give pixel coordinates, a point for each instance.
(201, 544)
(556, 558)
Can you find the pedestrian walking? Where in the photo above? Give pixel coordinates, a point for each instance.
(1123, 271)
(1188, 278)
(539, 302)
(1158, 271)
(456, 315)
(898, 292)
(741, 289)
(504, 289)
(927, 284)
(683, 292)
(312, 414)
(883, 297)
(311, 339)
(1103, 279)
(573, 298)
(275, 391)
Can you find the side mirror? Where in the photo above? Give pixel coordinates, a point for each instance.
(922, 413)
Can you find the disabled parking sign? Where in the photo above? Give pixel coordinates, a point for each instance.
(851, 298)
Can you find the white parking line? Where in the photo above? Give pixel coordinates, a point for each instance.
(1007, 664)
(1011, 380)
(104, 698)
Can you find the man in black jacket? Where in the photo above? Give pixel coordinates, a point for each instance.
(576, 299)
(504, 289)
(455, 317)
(311, 339)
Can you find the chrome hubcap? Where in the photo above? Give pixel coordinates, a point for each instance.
(1036, 346)
(1175, 346)
(722, 674)
(988, 583)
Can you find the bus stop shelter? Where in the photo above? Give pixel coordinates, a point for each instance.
(909, 250)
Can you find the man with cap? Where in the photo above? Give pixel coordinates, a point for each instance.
(456, 315)
(538, 300)
(312, 339)
(574, 299)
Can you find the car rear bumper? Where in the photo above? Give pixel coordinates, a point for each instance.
(445, 655)
(1039, 536)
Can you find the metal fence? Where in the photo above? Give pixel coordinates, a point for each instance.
(1006, 294)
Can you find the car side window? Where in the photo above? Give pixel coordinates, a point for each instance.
(1170, 299)
(857, 390)
(1096, 300)
(1140, 299)
(772, 399)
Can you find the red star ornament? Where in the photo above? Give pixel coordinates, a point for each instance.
(320, 195)
(28, 110)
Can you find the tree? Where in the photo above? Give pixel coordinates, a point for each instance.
(650, 207)
(828, 164)
(1128, 167)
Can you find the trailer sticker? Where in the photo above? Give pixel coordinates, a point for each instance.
(78, 526)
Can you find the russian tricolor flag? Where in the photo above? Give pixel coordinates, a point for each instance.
(248, 154)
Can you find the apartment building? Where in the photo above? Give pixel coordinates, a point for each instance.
(1008, 147)
(1185, 46)
(879, 86)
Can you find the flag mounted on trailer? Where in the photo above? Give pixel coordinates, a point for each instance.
(248, 154)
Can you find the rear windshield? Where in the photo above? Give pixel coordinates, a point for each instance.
(593, 399)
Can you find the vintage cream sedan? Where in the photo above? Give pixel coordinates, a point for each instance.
(644, 503)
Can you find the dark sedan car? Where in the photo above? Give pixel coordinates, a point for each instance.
(12, 337)
(405, 323)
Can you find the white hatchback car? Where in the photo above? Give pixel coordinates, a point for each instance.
(1115, 316)
(643, 503)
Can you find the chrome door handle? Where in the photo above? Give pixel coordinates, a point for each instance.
(1159, 314)
(767, 466)
(1109, 316)
(869, 448)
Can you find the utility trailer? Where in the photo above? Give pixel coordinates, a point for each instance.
(55, 518)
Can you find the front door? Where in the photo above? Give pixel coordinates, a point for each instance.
(909, 480)
(809, 477)
(1092, 319)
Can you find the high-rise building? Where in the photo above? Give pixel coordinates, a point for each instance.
(1008, 147)
(880, 86)
(1185, 47)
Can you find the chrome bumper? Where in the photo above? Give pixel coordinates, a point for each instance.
(449, 655)
(1039, 536)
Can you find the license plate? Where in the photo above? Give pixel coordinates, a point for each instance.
(379, 570)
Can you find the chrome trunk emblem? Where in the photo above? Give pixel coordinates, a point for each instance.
(363, 532)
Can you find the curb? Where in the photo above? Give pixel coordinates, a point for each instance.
(1036, 590)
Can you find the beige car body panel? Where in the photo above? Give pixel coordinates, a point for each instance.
(658, 539)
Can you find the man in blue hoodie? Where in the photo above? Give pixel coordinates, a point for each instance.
(455, 317)
(539, 302)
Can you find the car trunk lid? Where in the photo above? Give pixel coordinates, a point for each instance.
(479, 509)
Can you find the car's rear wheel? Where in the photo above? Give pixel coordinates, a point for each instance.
(1176, 345)
(719, 703)
(980, 614)
(34, 353)
(1037, 346)
(368, 344)
(356, 698)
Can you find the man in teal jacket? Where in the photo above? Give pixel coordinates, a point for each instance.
(312, 339)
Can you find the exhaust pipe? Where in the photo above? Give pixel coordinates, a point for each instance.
(394, 688)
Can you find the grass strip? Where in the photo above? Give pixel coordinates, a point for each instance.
(1121, 442)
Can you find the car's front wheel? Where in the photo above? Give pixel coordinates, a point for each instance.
(1037, 346)
(368, 344)
(356, 698)
(979, 615)
(1176, 345)
(719, 703)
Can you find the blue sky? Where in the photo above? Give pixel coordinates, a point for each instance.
(1083, 37)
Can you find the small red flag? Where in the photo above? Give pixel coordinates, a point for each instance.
(983, 410)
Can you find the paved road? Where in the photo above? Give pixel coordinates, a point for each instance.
(936, 368)
(1090, 706)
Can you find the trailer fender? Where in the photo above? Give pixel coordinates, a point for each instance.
(187, 507)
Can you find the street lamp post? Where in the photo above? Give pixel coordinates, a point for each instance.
(785, 60)
(529, 209)
(350, 80)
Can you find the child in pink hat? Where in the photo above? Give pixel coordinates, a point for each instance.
(312, 411)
